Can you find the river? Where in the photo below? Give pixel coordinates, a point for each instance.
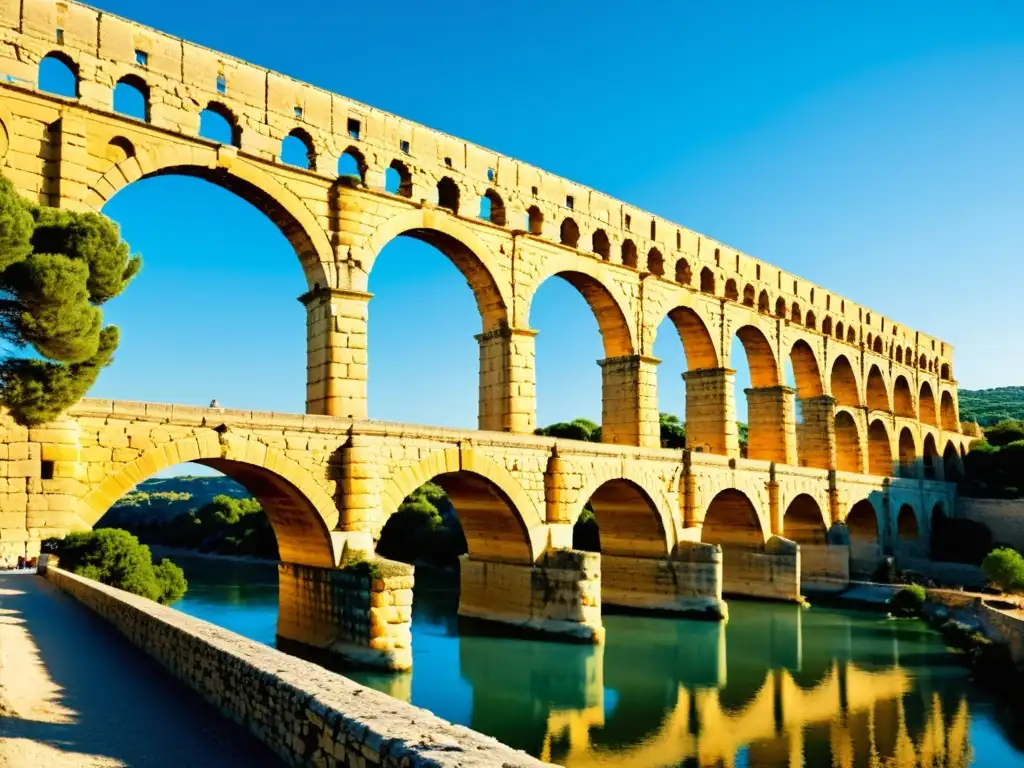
(776, 686)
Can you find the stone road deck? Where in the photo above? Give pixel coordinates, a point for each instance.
(74, 692)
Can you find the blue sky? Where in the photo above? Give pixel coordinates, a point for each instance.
(876, 148)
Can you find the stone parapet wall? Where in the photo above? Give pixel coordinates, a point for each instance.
(306, 714)
(1004, 517)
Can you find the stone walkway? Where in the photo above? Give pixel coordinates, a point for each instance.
(75, 693)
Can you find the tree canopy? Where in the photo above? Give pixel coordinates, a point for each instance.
(57, 268)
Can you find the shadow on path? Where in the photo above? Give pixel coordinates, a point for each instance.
(123, 705)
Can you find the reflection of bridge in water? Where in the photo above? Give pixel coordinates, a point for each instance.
(782, 686)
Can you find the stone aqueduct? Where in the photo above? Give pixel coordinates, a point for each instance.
(878, 431)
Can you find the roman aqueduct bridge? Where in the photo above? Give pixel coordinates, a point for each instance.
(877, 436)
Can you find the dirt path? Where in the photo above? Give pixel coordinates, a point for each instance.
(75, 693)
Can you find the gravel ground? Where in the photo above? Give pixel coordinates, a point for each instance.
(73, 692)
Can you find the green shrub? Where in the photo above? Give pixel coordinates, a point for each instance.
(909, 600)
(1004, 567)
(360, 566)
(116, 558)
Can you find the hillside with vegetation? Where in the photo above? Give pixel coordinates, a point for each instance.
(990, 406)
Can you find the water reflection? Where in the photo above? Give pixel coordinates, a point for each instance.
(776, 686)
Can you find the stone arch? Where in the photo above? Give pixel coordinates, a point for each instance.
(930, 452)
(698, 344)
(402, 177)
(848, 454)
(826, 326)
(629, 254)
(879, 449)
(764, 370)
(843, 383)
(732, 519)
(63, 59)
(616, 333)
(851, 335)
(805, 522)
(448, 194)
(748, 295)
(631, 521)
(732, 292)
(223, 112)
(926, 405)
(306, 138)
(945, 372)
(456, 241)
(903, 400)
(863, 523)
(795, 315)
(764, 303)
(655, 262)
(135, 83)
(907, 527)
(535, 220)
(899, 354)
(947, 413)
(498, 517)
(878, 346)
(707, 281)
(300, 511)
(952, 464)
(353, 157)
(569, 233)
(839, 331)
(806, 372)
(601, 245)
(780, 307)
(876, 392)
(245, 179)
(810, 321)
(684, 274)
(908, 453)
(495, 208)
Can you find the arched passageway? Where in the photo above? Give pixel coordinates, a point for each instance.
(904, 400)
(813, 410)
(844, 383)
(865, 537)
(932, 463)
(765, 406)
(908, 537)
(952, 466)
(948, 413)
(926, 403)
(877, 392)
(803, 522)
(848, 453)
(908, 454)
(879, 449)
(732, 520)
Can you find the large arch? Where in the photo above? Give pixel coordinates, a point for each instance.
(732, 519)
(879, 449)
(907, 528)
(952, 464)
(843, 383)
(300, 511)
(877, 393)
(805, 522)
(848, 449)
(903, 400)
(500, 520)
(245, 179)
(947, 412)
(926, 405)
(456, 241)
(764, 370)
(862, 523)
(908, 453)
(806, 372)
(630, 522)
(616, 335)
(698, 345)
(932, 466)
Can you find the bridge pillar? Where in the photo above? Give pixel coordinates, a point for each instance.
(711, 411)
(66, 169)
(629, 399)
(771, 420)
(507, 380)
(336, 352)
(558, 597)
(816, 434)
(348, 616)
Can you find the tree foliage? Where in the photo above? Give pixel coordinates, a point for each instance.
(116, 558)
(577, 429)
(425, 528)
(1004, 567)
(990, 406)
(57, 267)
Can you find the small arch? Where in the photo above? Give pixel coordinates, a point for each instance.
(843, 383)
(120, 149)
(629, 521)
(899, 354)
(684, 275)
(804, 521)
(696, 338)
(764, 303)
(764, 372)
(903, 401)
(611, 320)
(398, 179)
(534, 220)
(851, 335)
(811, 322)
(877, 346)
(749, 295)
(806, 373)
(731, 291)
(826, 326)
(58, 74)
(952, 467)
(569, 233)
(923, 361)
(795, 315)
(494, 207)
(131, 97)
(931, 458)
(839, 331)
(655, 262)
(862, 522)
(707, 281)
(877, 392)
(731, 519)
(351, 164)
(908, 454)
(297, 149)
(945, 373)
(218, 123)
(629, 255)
(448, 194)
(926, 405)
(868, 340)
(601, 245)
(906, 524)
(879, 449)
(847, 443)
(947, 412)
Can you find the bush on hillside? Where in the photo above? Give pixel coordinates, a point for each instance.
(909, 600)
(1004, 567)
(116, 558)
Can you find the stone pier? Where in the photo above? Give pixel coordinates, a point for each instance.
(769, 572)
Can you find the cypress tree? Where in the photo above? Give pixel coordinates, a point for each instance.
(57, 267)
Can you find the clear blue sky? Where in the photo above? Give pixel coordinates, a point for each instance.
(876, 148)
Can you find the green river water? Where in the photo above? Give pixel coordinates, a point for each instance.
(776, 686)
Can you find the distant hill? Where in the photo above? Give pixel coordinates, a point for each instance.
(162, 498)
(990, 406)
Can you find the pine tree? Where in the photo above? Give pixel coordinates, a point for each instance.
(57, 268)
